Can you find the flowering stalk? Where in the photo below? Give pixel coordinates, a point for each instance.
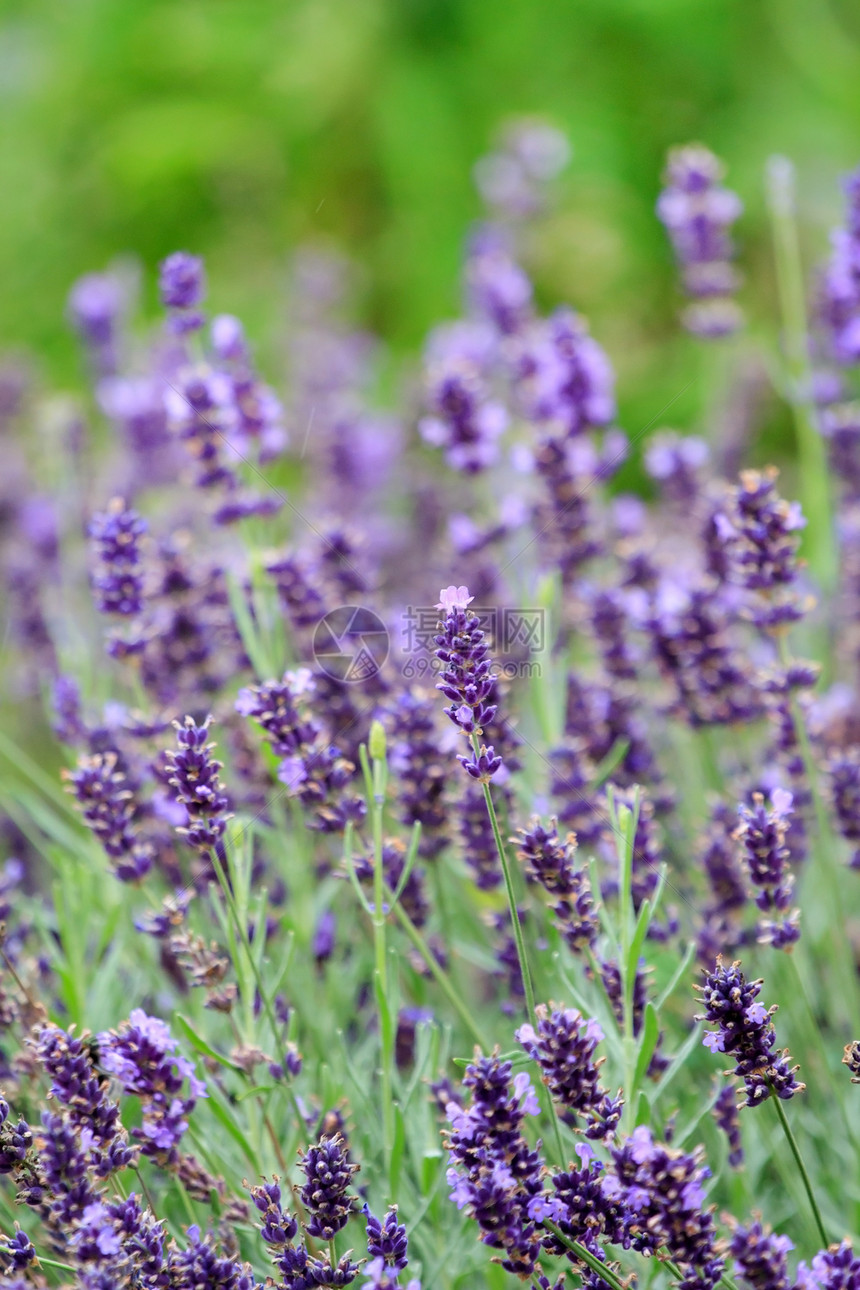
(376, 777)
(798, 1160)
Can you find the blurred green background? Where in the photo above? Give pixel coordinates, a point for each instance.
(240, 128)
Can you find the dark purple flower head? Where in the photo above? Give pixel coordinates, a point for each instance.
(278, 1226)
(760, 1257)
(118, 581)
(762, 833)
(465, 419)
(180, 281)
(387, 1240)
(466, 677)
(663, 1192)
(328, 1172)
(18, 1250)
(564, 1046)
(745, 1032)
(837, 1268)
(109, 808)
(494, 1174)
(197, 785)
(759, 532)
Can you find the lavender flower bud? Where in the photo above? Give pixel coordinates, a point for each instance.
(116, 533)
(329, 1173)
(745, 1032)
(759, 1257)
(762, 833)
(197, 785)
(466, 677)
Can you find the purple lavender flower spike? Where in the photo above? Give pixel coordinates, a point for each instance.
(197, 785)
(465, 419)
(95, 306)
(551, 862)
(564, 1045)
(839, 295)
(762, 833)
(663, 1191)
(181, 287)
(328, 1173)
(143, 1056)
(760, 1256)
(494, 1173)
(387, 1240)
(725, 1112)
(466, 677)
(118, 583)
(835, 1269)
(745, 1033)
(109, 808)
(759, 532)
(698, 212)
(563, 378)
(18, 1250)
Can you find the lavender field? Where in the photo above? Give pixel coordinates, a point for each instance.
(444, 866)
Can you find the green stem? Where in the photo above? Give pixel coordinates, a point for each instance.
(381, 960)
(798, 1160)
(242, 932)
(525, 970)
(586, 1256)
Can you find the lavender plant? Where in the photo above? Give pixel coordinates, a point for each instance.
(360, 936)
